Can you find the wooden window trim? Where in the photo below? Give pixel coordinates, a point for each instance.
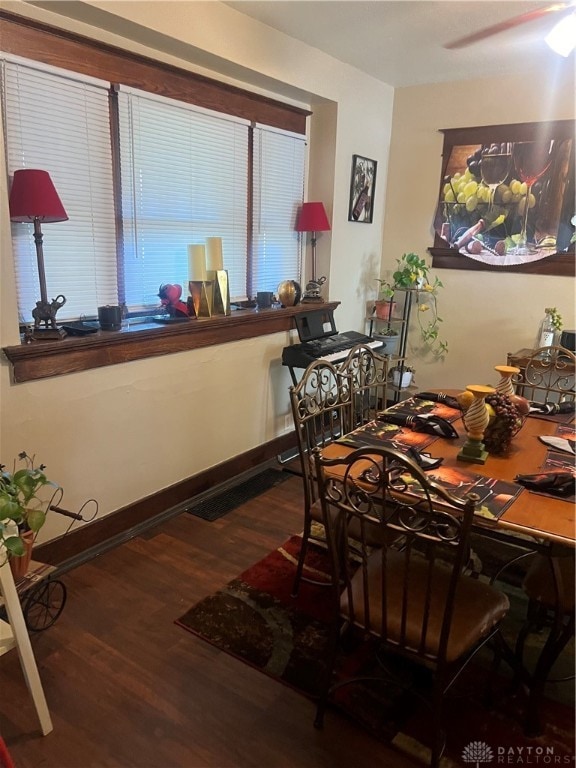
(60, 48)
(44, 359)
(41, 42)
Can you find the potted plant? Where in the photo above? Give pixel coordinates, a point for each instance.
(22, 510)
(384, 306)
(390, 339)
(413, 274)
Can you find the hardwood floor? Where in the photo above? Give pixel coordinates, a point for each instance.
(127, 688)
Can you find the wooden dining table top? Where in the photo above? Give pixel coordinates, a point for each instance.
(544, 519)
(530, 513)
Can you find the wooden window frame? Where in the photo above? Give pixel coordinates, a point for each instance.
(43, 359)
(41, 42)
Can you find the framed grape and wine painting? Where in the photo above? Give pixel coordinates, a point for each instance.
(506, 199)
(362, 185)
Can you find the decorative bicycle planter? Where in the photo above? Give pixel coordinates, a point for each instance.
(42, 594)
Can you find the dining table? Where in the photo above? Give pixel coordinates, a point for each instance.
(544, 522)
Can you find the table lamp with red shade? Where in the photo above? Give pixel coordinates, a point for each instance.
(312, 218)
(33, 199)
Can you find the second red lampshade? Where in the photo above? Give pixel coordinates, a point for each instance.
(312, 218)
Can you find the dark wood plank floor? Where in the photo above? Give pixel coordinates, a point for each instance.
(127, 688)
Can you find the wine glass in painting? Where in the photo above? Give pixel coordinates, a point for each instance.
(495, 167)
(532, 159)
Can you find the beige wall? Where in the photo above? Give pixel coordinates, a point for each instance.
(123, 432)
(485, 314)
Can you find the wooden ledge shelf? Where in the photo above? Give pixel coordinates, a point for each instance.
(43, 359)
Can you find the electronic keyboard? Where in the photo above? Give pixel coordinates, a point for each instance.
(332, 349)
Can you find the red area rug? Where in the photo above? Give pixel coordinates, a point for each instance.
(255, 619)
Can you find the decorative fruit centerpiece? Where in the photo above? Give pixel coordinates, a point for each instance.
(507, 412)
(507, 415)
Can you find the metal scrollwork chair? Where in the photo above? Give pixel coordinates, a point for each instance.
(548, 376)
(368, 372)
(415, 601)
(320, 404)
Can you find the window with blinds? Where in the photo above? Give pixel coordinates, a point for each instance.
(185, 175)
(279, 161)
(58, 122)
(184, 178)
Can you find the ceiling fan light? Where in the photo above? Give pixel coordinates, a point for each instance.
(562, 36)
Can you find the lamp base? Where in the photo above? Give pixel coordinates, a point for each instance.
(48, 334)
(312, 292)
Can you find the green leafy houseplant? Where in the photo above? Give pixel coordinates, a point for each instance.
(413, 273)
(386, 290)
(20, 503)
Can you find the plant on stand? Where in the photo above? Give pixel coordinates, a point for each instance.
(384, 306)
(413, 274)
(23, 510)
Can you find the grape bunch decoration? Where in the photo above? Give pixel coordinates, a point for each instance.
(506, 422)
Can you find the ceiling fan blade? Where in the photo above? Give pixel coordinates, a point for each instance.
(509, 24)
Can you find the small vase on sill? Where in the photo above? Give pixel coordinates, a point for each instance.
(289, 293)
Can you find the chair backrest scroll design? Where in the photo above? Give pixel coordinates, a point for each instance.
(426, 548)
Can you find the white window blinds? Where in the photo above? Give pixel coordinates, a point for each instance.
(60, 123)
(185, 175)
(279, 163)
(184, 178)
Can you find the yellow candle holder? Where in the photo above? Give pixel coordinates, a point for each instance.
(221, 294)
(476, 420)
(201, 292)
(507, 372)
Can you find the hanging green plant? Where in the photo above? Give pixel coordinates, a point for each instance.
(429, 322)
(412, 273)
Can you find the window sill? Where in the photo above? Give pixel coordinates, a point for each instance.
(44, 359)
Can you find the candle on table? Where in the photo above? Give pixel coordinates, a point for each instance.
(197, 262)
(214, 253)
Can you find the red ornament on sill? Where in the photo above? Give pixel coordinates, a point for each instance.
(170, 298)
